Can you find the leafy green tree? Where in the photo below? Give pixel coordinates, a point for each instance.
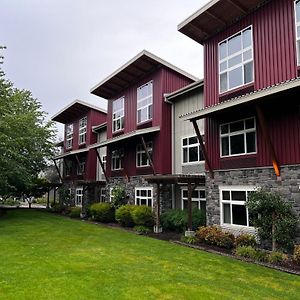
(119, 197)
(26, 139)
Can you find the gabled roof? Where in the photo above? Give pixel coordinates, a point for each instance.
(74, 109)
(215, 16)
(139, 66)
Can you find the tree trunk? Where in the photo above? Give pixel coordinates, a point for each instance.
(29, 204)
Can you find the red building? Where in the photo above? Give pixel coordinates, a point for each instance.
(139, 123)
(79, 162)
(252, 111)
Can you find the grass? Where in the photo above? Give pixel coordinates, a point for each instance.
(43, 256)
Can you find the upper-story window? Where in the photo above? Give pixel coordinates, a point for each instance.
(81, 167)
(69, 136)
(118, 114)
(191, 151)
(236, 61)
(82, 130)
(144, 102)
(238, 138)
(117, 159)
(297, 15)
(141, 156)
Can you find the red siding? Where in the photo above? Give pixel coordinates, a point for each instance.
(274, 48)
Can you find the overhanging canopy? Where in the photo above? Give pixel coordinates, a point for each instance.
(176, 179)
(70, 153)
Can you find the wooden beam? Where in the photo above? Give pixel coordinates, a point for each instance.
(191, 188)
(238, 6)
(267, 137)
(199, 136)
(58, 171)
(148, 155)
(157, 221)
(101, 164)
(218, 19)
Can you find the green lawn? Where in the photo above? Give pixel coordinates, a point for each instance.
(43, 256)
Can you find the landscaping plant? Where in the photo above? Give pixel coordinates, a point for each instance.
(124, 215)
(245, 239)
(143, 215)
(102, 212)
(142, 229)
(75, 212)
(296, 255)
(118, 197)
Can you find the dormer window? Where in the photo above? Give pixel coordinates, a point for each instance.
(82, 130)
(297, 19)
(69, 136)
(236, 61)
(144, 102)
(118, 114)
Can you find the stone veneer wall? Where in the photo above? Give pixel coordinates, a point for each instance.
(288, 187)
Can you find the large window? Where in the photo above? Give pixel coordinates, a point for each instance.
(82, 130)
(117, 159)
(233, 209)
(236, 60)
(297, 16)
(143, 196)
(69, 136)
(198, 199)
(79, 196)
(238, 138)
(81, 167)
(118, 114)
(141, 157)
(144, 102)
(191, 151)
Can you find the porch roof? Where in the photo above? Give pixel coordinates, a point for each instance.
(63, 155)
(176, 179)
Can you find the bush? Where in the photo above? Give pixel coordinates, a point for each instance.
(277, 257)
(176, 219)
(56, 208)
(102, 212)
(213, 235)
(74, 212)
(143, 215)
(119, 197)
(245, 240)
(189, 239)
(142, 229)
(296, 255)
(10, 202)
(246, 251)
(124, 215)
(261, 255)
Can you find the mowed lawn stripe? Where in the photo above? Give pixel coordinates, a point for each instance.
(44, 256)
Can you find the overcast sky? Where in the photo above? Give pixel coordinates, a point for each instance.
(59, 49)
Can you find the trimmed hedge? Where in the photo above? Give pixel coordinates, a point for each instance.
(102, 212)
(143, 215)
(245, 239)
(74, 212)
(124, 215)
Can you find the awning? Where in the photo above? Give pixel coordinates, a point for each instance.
(176, 179)
(71, 153)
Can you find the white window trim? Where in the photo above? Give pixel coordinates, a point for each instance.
(149, 146)
(79, 168)
(142, 197)
(247, 188)
(147, 105)
(119, 156)
(238, 133)
(103, 194)
(69, 136)
(236, 66)
(188, 146)
(114, 120)
(297, 24)
(193, 199)
(82, 130)
(110, 194)
(78, 195)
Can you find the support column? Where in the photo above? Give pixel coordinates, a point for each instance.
(58, 171)
(102, 165)
(148, 155)
(157, 227)
(191, 188)
(48, 198)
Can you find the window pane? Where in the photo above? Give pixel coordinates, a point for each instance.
(195, 205)
(226, 195)
(249, 123)
(237, 126)
(247, 55)
(193, 153)
(185, 155)
(185, 204)
(250, 137)
(237, 144)
(223, 82)
(235, 61)
(235, 77)
(223, 66)
(239, 215)
(143, 202)
(247, 39)
(248, 72)
(185, 193)
(224, 129)
(193, 140)
(226, 213)
(223, 50)
(298, 31)
(203, 206)
(225, 146)
(234, 44)
(238, 195)
(298, 11)
(202, 194)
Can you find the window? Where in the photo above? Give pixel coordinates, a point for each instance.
(144, 102)
(104, 163)
(141, 157)
(191, 151)
(297, 20)
(238, 138)
(117, 159)
(111, 196)
(81, 167)
(198, 199)
(69, 167)
(79, 196)
(69, 136)
(102, 195)
(233, 209)
(82, 130)
(236, 60)
(143, 196)
(118, 114)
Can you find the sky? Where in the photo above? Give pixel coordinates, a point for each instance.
(60, 49)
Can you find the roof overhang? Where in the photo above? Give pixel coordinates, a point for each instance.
(74, 109)
(75, 152)
(215, 16)
(99, 127)
(142, 64)
(253, 97)
(126, 136)
(176, 179)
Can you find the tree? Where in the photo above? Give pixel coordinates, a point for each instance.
(26, 139)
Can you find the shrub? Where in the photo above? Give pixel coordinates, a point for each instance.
(176, 219)
(102, 212)
(143, 215)
(57, 208)
(261, 255)
(189, 239)
(296, 255)
(277, 257)
(75, 212)
(124, 215)
(119, 197)
(142, 229)
(245, 240)
(213, 235)
(246, 251)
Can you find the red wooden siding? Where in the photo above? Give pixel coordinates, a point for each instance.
(274, 48)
